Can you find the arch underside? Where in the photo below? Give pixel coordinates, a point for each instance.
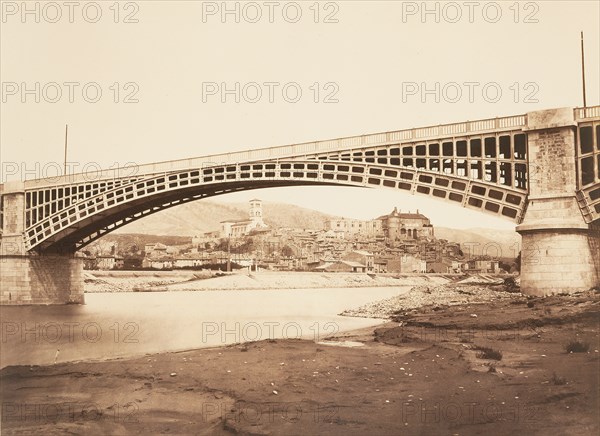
(77, 237)
(99, 207)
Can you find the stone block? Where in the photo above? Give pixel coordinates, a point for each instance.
(41, 280)
(550, 118)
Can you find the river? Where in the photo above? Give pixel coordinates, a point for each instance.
(113, 325)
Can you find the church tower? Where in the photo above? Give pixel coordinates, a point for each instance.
(256, 214)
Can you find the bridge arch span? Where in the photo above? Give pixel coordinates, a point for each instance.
(96, 208)
(540, 170)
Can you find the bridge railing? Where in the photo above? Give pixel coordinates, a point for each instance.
(302, 149)
(306, 148)
(582, 113)
(295, 150)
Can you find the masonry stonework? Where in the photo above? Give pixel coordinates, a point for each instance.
(41, 280)
(559, 250)
(27, 278)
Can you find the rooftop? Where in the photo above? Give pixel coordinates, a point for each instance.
(244, 221)
(407, 215)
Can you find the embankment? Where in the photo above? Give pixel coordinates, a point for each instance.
(145, 281)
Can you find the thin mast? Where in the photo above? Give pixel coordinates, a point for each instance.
(65, 165)
(583, 70)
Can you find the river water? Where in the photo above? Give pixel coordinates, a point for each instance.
(112, 325)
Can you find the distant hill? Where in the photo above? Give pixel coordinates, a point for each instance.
(485, 240)
(205, 216)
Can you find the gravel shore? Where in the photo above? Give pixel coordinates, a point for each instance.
(206, 281)
(449, 294)
(441, 371)
(132, 281)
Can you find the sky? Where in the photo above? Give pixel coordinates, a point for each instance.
(148, 81)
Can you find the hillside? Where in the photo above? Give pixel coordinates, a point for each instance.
(205, 216)
(483, 241)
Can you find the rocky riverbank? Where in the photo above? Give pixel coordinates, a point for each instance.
(464, 292)
(521, 366)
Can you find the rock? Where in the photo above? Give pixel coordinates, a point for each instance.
(428, 299)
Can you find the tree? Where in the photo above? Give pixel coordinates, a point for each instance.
(245, 247)
(287, 251)
(222, 245)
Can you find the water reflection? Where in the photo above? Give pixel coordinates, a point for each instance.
(127, 324)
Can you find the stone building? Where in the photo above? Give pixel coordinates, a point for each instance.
(348, 227)
(108, 262)
(239, 228)
(479, 265)
(396, 226)
(342, 266)
(404, 263)
(362, 257)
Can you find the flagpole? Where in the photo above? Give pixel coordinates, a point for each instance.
(66, 133)
(583, 71)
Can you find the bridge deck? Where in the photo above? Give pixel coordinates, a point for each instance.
(482, 164)
(422, 134)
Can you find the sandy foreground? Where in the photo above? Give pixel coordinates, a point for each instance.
(465, 368)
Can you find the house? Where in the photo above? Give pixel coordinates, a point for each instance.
(342, 266)
(380, 264)
(405, 263)
(475, 266)
(188, 262)
(155, 250)
(108, 262)
(456, 266)
(440, 267)
(204, 238)
(158, 262)
(164, 263)
(362, 257)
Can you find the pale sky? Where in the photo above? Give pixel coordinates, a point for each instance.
(369, 59)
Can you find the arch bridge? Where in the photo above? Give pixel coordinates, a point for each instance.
(540, 170)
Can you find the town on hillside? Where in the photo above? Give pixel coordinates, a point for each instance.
(399, 242)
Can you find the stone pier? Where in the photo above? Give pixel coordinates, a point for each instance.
(559, 249)
(41, 280)
(28, 278)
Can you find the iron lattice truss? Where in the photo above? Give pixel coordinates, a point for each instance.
(481, 165)
(588, 164)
